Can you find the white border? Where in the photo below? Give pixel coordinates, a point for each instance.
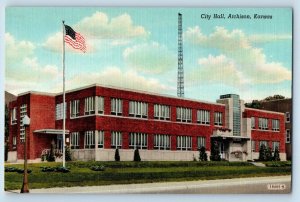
(295, 196)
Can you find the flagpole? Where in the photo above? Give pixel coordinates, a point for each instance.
(64, 94)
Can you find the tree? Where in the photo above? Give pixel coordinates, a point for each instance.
(274, 97)
(117, 155)
(269, 154)
(262, 153)
(254, 104)
(202, 154)
(68, 156)
(276, 155)
(136, 155)
(215, 152)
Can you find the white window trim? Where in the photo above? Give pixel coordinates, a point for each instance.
(138, 140)
(89, 139)
(116, 106)
(116, 139)
(162, 112)
(184, 143)
(201, 142)
(76, 136)
(183, 114)
(74, 108)
(218, 118)
(138, 109)
(162, 142)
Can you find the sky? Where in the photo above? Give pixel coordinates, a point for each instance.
(137, 48)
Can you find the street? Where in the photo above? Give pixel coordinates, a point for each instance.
(257, 185)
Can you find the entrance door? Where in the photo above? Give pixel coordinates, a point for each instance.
(222, 150)
(59, 143)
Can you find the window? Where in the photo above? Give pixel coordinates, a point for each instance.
(275, 124)
(89, 105)
(201, 142)
(74, 108)
(183, 114)
(263, 124)
(253, 146)
(203, 116)
(263, 143)
(116, 106)
(162, 112)
(116, 139)
(162, 142)
(23, 112)
(287, 117)
(288, 135)
(100, 105)
(75, 140)
(100, 139)
(59, 111)
(138, 109)
(138, 140)
(14, 115)
(89, 140)
(184, 143)
(14, 140)
(274, 146)
(218, 118)
(253, 122)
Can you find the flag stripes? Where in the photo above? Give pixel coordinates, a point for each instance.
(78, 42)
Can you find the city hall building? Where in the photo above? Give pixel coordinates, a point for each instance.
(100, 119)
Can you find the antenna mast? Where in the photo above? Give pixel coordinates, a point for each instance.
(180, 75)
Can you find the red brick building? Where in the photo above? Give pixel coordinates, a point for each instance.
(100, 119)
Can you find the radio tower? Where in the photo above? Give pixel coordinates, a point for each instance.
(180, 75)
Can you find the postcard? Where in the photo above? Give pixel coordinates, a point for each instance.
(148, 100)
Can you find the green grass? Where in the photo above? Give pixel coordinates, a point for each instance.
(132, 172)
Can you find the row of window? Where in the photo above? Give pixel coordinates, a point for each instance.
(136, 140)
(263, 124)
(264, 142)
(138, 109)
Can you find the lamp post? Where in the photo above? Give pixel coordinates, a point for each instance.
(25, 189)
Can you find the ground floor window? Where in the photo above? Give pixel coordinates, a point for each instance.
(138, 140)
(100, 139)
(162, 142)
(201, 142)
(253, 146)
(274, 146)
(116, 139)
(89, 140)
(14, 140)
(263, 143)
(184, 143)
(75, 140)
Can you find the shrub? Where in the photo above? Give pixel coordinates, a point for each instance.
(117, 155)
(68, 154)
(202, 154)
(269, 154)
(215, 152)
(17, 170)
(98, 168)
(136, 155)
(55, 169)
(51, 156)
(276, 155)
(262, 153)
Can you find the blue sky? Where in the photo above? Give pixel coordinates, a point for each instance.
(137, 48)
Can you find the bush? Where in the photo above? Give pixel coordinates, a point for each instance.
(276, 155)
(202, 154)
(17, 170)
(117, 155)
(55, 169)
(215, 152)
(136, 155)
(269, 154)
(68, 154)
(98, 168)
(262, 153)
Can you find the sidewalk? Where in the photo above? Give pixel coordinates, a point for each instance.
(164, 186)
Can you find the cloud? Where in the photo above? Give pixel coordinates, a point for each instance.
(23, 71)
(114, 76)
(100, 26)
(239, 59)
(150, 58)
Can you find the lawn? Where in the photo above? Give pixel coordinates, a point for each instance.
(137, 172)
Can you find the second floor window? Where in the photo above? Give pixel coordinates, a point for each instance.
(275, 124)
(138, 109)
(100, 105)
(288, 135)
(183, 114)
(263, 124)
(23, 112)
(253, 122)
(218, 118)
(89, 105)
(59, 111)
(161, 112)
(14, 115)
(74, 108)
(116, 106)
(203, 116)
(287, 117)
(75, 140)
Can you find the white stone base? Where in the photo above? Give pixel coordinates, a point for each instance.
(12, 157)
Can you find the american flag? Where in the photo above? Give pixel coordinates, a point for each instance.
(74, 39)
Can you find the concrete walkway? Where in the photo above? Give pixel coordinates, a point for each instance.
(167, 187)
